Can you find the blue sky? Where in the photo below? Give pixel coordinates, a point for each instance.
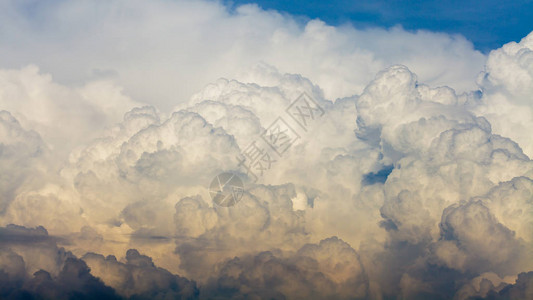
(488, 24)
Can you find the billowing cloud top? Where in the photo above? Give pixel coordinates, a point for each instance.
(401, 186)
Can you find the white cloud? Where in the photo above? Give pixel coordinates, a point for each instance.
(507, 86)
(403, 187)
(64, 116)
(149, 47)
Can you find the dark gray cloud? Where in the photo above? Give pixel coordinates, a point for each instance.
(73, 281)
(61, 275)
(15, 234)
(522, 289)
(139, 278)
(328, 270)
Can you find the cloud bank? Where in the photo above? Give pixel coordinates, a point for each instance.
(148, 47)
(404, 189)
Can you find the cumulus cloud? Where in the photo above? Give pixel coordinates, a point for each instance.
(148, 47)
(330, 269)
(139, 278)
(507, 92)
(445, 180)
(218, 233)
(23, 159)
(403, 188)
(32, 266)
(44, 106)
(31, 187)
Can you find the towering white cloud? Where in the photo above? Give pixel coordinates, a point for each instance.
(149, 47)
(402, 188)
(64, 116)
(507, 87)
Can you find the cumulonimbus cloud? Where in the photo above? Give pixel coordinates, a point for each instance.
(402, 188)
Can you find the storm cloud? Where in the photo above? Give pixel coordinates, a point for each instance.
(414, 180)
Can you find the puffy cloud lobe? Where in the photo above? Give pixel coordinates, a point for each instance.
(483, 242)
(512, 203)
(74, 281)
(522, 289)
(481, 286)
(34, 208)
(449, 163)
(194, 217)
(139, 278)
(507, 93)
(35, 247)
(237, 120)
(30, 185)
(442, 154)
(209, 235)
(57, 274)
(22, 158)
(408, 115)
(330, 269)
(431, 137)
(144, 159)
(45, 106)
(492, 287)
(12, 271)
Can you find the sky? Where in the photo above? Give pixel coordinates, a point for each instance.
(488, 25)
(212, 150)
